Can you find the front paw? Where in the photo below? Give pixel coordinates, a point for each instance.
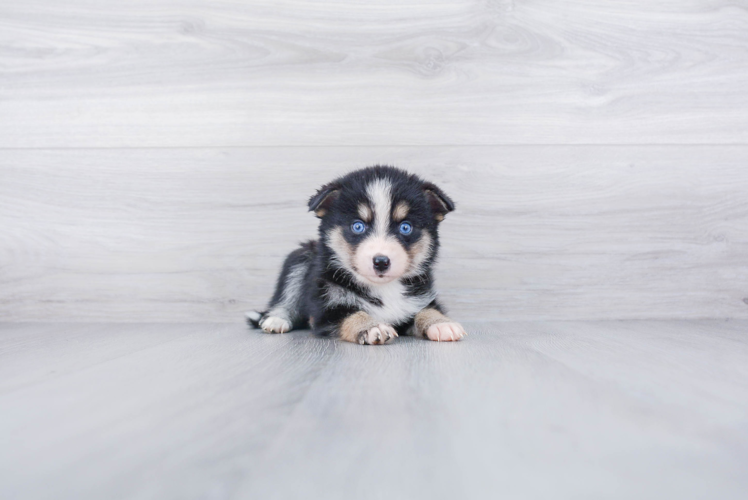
(448, 331)
(380, 334)
(275, 324)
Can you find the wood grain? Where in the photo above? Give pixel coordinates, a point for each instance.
(185, 73)
(619, 410)
(548, 232)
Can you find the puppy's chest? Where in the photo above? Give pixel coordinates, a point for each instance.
(396, 307)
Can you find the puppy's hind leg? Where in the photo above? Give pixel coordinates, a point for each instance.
(285, 309)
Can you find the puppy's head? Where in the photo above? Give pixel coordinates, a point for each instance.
(380, 223)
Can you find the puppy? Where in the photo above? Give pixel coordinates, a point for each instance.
(367, 279)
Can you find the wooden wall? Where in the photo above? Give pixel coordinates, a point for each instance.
(155, 156)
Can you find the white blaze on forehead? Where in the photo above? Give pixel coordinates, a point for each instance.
(379, 192)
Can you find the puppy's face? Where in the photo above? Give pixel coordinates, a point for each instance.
(380, 223)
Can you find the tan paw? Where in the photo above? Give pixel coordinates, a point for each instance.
(275, 324)
(445, 332)
(380, 334)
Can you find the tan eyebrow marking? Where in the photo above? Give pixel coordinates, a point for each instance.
(364, 212)
(400, 212)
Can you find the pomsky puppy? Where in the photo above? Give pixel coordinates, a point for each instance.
(368, 278)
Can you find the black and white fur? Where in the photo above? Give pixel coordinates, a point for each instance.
(373, 286)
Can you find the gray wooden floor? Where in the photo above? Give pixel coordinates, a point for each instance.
(616, 409)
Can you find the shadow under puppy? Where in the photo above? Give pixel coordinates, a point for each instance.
(368, 278)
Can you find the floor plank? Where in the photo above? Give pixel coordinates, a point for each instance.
(614, 409)
(186, 73)
(114, 426)
(553, 232)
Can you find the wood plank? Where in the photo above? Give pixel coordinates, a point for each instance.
(613, 409)
(221, 73)
(524, 410)
(540, 232)
(97, 425)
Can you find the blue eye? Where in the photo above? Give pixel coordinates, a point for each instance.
(406, 228)
(358, 227)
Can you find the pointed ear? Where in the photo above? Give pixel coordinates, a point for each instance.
(321, 202)
(440, 203)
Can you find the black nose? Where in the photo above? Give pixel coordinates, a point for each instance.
(381, 263)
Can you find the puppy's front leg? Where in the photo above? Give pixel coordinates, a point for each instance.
(433, 325)
(361, 328)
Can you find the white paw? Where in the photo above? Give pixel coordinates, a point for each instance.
(380, 334)
(445, 332)
(275, 324)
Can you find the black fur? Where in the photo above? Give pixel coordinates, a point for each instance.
(337, 205)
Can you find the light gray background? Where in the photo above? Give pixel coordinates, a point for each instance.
(155, 161)
(156, 156)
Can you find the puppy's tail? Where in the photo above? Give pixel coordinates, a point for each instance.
(254, 318)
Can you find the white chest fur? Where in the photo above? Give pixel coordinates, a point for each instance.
(396, 306)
